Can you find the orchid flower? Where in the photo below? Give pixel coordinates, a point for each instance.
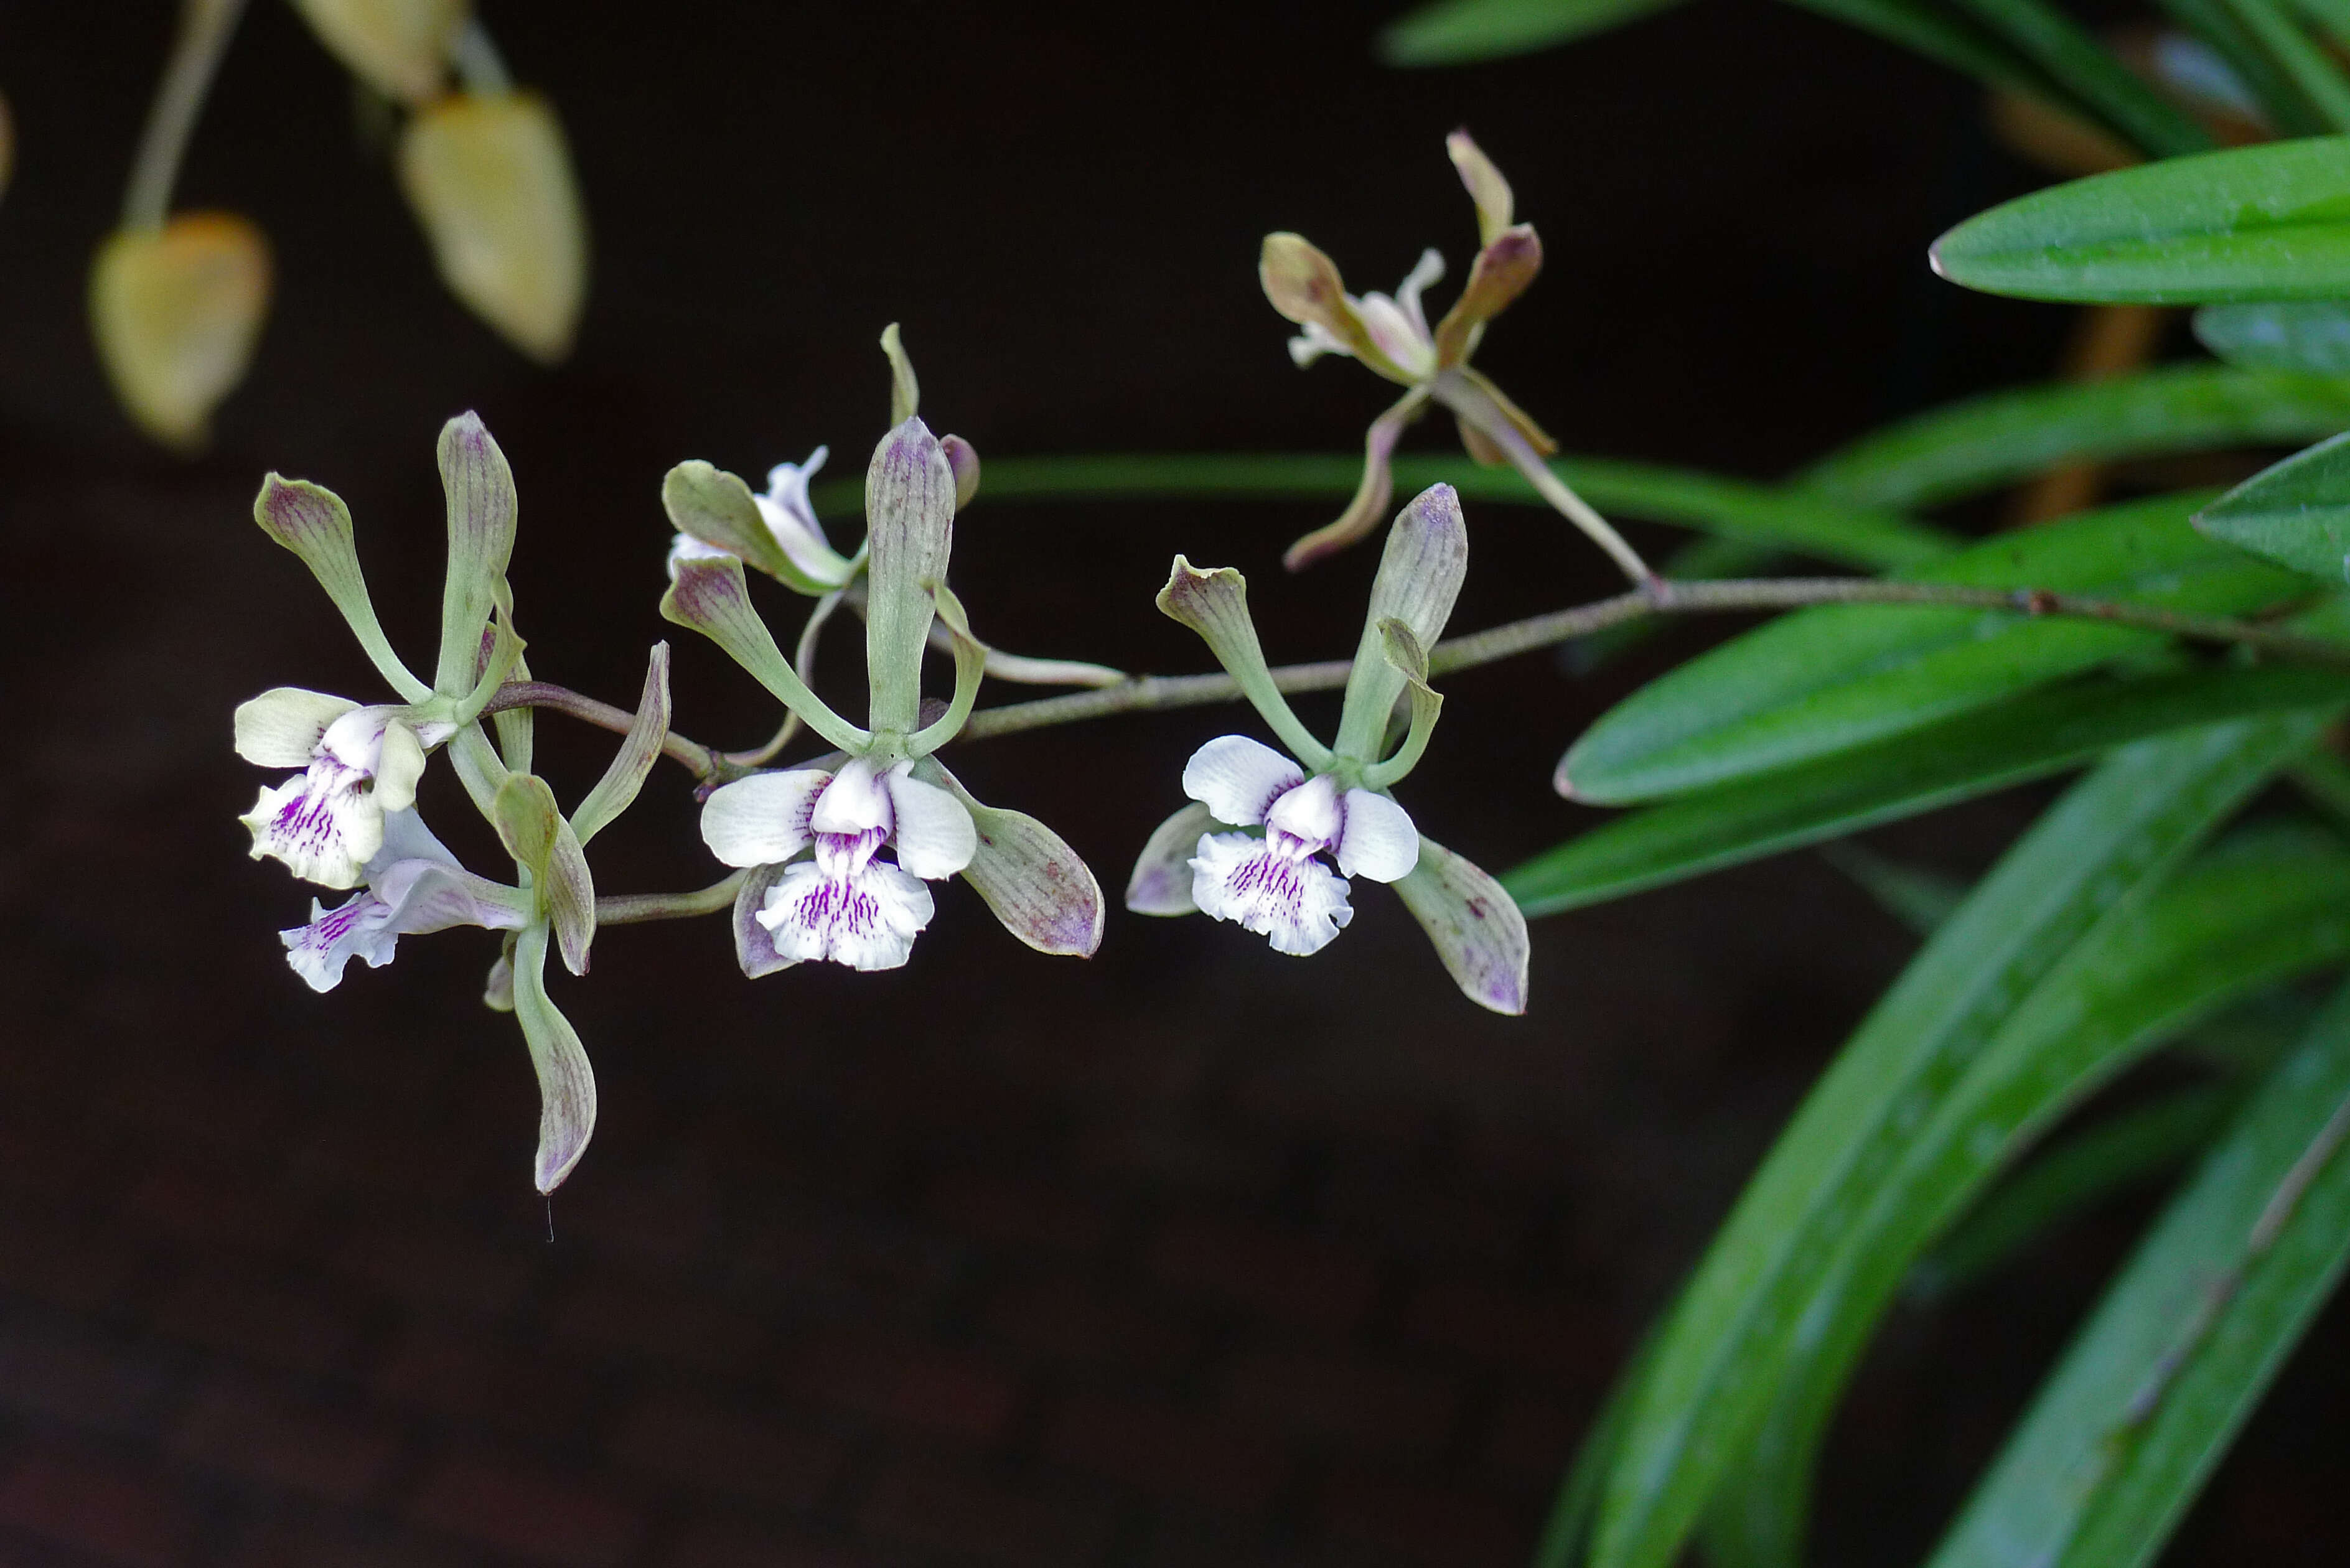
(813, 837)
(1251, 848)
(1391, 336)
(361, 763)
(790, 521)
(413, 886)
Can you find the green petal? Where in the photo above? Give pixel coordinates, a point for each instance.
(711, 597)
(567, 1084)
(1420, 577)
(640, 749)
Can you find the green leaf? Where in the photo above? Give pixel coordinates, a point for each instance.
(2296, 512)
(2157, 1383)
(2263, 223)
(2092, 73)
(2309, 336)
(2056, 967)
(2312, 71)
(1938, 35)
(1810, 524)
(2029, 738)
(1825, 679)
(2067, 1180)
(2217, 26)
(1455, 32)
(1981, 444)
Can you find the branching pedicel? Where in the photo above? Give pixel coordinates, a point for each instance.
(809, 841)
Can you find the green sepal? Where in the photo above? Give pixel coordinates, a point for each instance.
(970, 668)
(1401, 650)
(905, 392)
(312, 520)
(480, 488)
(1215, 604)
(1419, 577)
(567, 1084)
(640, 749)
(909, 507)
(711, 597)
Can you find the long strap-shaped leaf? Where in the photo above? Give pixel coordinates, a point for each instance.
(2250, 914)
(2032, 737)
(2066, 51)
(2155, 1386)
(1812, 525)
(1736, 1331)
(1964, 448)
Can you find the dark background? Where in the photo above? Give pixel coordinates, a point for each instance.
(1191, 1254)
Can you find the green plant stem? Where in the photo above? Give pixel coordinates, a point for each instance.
(1148, 692)
(635, 909)
(204, 29)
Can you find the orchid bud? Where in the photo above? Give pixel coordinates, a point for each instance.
(491, 181)
(175, 311)
(400, 47)
(963, 458)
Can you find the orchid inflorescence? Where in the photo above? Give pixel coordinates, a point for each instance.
(832, 857)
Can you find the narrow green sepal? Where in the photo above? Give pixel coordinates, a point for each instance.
(970, 668)
(1215, 604)
(909, 507)
(640, 749)
(526, 815)
(312, 520)
(711, 597)
(1420, 572)
(480, 488)
(567, 1084)
(905, 392)
(1404, 655)
(506, 652)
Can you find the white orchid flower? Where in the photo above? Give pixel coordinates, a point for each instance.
(789, 522)
(1394, 331)
(1272, 883)
(1250, 849)
(814, 838)
(360, 762)
(413, 886)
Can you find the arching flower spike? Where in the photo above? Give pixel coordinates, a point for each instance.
(839, 852)
(1392, 337)
(1258, 845)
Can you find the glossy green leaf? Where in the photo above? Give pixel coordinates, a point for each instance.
(2312, 72)
(2157, 1383)
(2032, 737)
(2309, 337)
(2069, 1178)
(2058, 965)
(2296, 512)
(2214, 22)
(2271, 221)
(1978, 444)
(1935, 34)
(1826, 679)
(2073, 58)
(1809, 525)
(2263, 908)
(1455, 32)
